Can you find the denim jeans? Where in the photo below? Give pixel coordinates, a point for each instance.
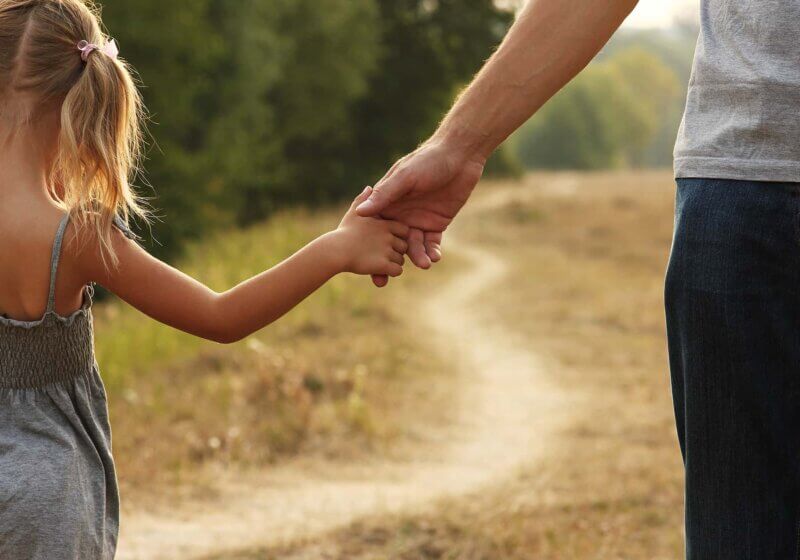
(733, 321)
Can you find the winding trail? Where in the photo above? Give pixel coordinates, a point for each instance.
(508, 414)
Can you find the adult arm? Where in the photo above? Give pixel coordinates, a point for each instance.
(550, 43)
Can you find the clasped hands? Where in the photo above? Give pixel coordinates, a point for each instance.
(425, 190)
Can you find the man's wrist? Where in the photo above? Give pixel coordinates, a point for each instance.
(465, 142)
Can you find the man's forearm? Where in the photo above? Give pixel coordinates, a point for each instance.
(551, 41)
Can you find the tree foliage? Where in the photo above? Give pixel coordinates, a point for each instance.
(623, 110)
(259, 104)
(431, 47)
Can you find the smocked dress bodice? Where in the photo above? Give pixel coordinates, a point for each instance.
(58, 486)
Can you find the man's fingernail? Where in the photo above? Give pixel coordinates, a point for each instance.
(366, 205)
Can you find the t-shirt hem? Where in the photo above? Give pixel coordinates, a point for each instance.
(781, 171)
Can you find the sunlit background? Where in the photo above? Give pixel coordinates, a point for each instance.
(510, 404)
(648, 13)
(659, 13)
(313, 96)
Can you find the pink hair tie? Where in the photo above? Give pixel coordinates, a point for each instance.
(109, 49)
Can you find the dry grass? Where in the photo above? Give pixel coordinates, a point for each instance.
(589, 253)
(339, 376)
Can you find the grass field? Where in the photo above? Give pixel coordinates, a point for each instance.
(588, 254)
(336, 377)
(575, 279)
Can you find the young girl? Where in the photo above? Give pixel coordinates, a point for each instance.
(69, 140)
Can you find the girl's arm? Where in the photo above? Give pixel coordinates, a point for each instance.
(359, 245)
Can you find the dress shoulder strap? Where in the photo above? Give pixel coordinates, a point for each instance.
(54, 258)
(51, 298)
(123, 227)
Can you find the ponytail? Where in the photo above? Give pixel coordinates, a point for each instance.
(56, 51)
(100, 145)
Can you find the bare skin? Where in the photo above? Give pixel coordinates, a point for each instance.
(29, 218)
(548, 45)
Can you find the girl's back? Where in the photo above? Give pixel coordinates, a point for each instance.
(26, 240)
(24, 264)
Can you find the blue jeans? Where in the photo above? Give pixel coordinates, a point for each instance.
(733, 321)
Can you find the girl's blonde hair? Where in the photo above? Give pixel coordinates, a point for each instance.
(100, 135)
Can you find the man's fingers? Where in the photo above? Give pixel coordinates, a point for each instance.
(433, 245)
(416, 249)
(380, 280)
(434, 237)
(434, 252)
(391, 172)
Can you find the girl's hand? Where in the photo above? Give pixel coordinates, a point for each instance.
(370, 245)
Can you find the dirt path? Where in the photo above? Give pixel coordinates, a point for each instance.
(508, 413)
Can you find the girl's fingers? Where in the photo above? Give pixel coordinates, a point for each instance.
(361, 197)
(398, 258)
(400, 245)
(393, 269)
(399, 229)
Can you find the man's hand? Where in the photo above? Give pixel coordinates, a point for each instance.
(550, 42)
(424, 190)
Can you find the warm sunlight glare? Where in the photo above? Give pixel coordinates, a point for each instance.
(660, 13)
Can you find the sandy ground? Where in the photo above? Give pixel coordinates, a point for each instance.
(507, 414)
(585, 255)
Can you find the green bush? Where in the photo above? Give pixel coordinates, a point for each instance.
(623, 110)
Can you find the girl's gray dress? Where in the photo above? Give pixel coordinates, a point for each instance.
(58, 488)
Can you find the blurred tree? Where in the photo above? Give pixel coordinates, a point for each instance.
(504, 163)
(655, 86)
(243, 134)
(175, 49)
(293, 70)
(674, 47)
(430, 48)
(258, 104)
(246, 98)
(609, 116)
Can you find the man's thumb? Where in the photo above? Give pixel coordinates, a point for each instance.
(362, 197)
(378, 200)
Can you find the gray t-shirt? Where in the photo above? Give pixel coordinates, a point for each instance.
(742, 118)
